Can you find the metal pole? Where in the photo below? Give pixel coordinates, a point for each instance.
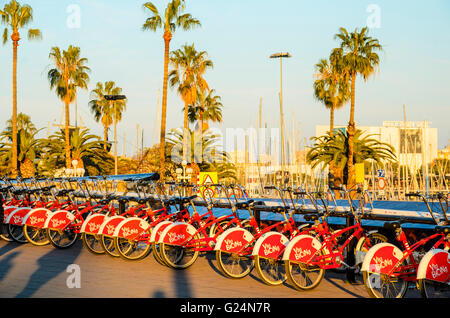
(281, 114)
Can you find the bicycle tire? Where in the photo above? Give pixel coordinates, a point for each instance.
(233, 265)
(108, 245)
(308, 282)
(378, 286)
(179, 257)
(69, 236)
(16, 233)
(271, 271)
(131, 249)
(35, 235)
(432, 289)
(156, 251)
(92, 243)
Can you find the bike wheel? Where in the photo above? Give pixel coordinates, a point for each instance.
(16, 233)
(234, 265)
(132, 249)
(35, 235)
(384, 286)
(371, 240)
(92, 243)
(432, 289)
(5, 236)
(62, 238)
(271, 271)
(303, 276)
(108, 245)
(180, 257)
(156, 251)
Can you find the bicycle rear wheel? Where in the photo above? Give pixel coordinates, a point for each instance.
(432, 289)
(180, 257)
(131, 249)
(271, 271)
(62, 238)
(35, 235)
(303, 276)
(92, 243)
(108, 245)
(384, 286)
(16, 233)
(234, 265)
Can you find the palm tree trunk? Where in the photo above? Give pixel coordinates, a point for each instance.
(115, 146)
(15, 37)
(185, 131)
(66, 131)
(162, 155)
(105, 136)
(351, 134)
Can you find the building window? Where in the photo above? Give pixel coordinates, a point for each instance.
(410, 141)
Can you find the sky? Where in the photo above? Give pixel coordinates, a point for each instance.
(239, 36)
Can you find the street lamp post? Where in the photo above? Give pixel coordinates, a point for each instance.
(111, 99)
(280, 56)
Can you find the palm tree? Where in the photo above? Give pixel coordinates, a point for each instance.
(189, 66)
(359, 56)
(69, 73)
(87, 149)
(16, 16)
(207, 107)
(172, 19)
(106, 111)
(29, 147)
(336, 148)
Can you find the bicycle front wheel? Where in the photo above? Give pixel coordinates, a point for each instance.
(109, 246)
(432, 289)
(234, 265)
(35, 235)
(303, 276)
(271, 271)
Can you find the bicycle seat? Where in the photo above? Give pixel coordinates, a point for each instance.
(442, 229)
(123, 199)
(185, 200)
(244, 205)
(277, 209)
(312, 217)
(392, 225)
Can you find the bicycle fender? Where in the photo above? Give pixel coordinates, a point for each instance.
(359, 256)
(7, 211)
(131, 228)
(270, 245)
(301, 248)
(16, 217)
(109, 225)
(37, 217)
(93, 223)
(435, 266)
(177, 233)
(59, 220)
(381, 258)
(233, 240)
(158, 229)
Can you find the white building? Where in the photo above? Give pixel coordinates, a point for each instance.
(414, 142)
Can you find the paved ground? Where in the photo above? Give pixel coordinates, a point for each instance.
(31, 271)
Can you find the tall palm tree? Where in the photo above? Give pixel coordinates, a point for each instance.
(189, 66)
(106, 111)
(172, 19)
(207, 107)
(16, 16)
(331, 87)
(359, 55)
(69, 73)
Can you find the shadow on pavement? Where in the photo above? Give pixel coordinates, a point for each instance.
(6, 264)
(51, 265)
(8, 247)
